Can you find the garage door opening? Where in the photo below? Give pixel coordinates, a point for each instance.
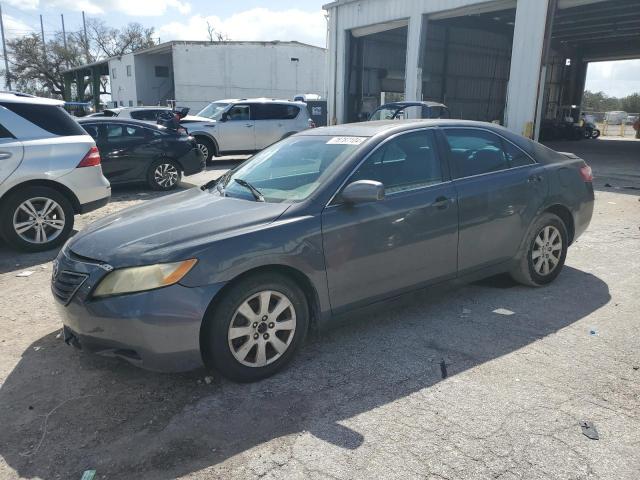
(376, 69)
(466, 64)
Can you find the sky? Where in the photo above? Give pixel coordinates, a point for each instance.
(302, 20)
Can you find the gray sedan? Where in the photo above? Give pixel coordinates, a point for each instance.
(233, 274)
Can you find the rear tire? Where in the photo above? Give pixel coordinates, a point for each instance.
(546, 252)
(35, 219)
(163, 174)
(232, 343)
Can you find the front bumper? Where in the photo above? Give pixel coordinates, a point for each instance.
(193, 162)
(157, 330)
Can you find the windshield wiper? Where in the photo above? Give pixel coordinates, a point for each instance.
(257, 194)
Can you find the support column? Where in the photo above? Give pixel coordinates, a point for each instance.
(416, 35)
(79, 86)
(525, 80)
(95, 87)
(67, 79)
(337, 54)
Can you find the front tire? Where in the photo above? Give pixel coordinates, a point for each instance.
(546, 252)
(256, 328)
(35, 219)
(207, 148)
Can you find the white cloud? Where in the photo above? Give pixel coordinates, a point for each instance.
(617, 79)
(147, 8)
(14, 27)
(254, 24)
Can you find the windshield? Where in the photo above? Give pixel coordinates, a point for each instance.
(213, 110)
(290, 170)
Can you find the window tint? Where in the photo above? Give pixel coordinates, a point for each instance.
(406, 162)
(51, 118)
(274, 111)
(148, 115)
(474, 152)
(4, 133)
(515, 156)
(124, 132)
(91, 130)
(239, 112)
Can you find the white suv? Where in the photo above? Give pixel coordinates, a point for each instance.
(246, 125)
(49, 171)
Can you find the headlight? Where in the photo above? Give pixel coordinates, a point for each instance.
(139, 279)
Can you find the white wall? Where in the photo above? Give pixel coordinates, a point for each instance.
(208, 72)
(153, 90)
(123, 88)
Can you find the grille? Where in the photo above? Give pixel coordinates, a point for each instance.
(65, 284)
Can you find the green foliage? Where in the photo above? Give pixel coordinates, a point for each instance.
(601, 102)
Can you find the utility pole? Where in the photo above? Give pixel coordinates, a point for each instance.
(86, 38)
(64, 32)
(7, 77)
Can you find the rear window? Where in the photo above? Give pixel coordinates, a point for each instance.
(274, 111)
(51, 118)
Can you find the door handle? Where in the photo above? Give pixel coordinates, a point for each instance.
(248, 125)
(5, 155)
(441, 203)
(210, 125)
(534, 179)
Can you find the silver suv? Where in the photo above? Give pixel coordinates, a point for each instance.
(246, 125)
(49, 171)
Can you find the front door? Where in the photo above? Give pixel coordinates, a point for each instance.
(237, 132)
(410, 238)
(500, 190)
(124, 151)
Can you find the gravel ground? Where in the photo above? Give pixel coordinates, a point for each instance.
(437, 385)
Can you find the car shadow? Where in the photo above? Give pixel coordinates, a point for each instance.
(64, 411)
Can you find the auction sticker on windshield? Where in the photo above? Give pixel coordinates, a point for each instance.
(346, 140)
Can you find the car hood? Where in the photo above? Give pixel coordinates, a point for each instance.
(195, 118)
(170, 227)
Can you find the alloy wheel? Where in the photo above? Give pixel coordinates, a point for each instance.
(262, 328)
(547, 250)
(38, 220)
(204, 149)
(166, 175)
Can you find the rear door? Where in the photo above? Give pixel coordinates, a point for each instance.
(273, 121)
(237, 132)
(11, 152)
(500, 189)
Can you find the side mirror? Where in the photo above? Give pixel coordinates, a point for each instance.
(224, 117)
(363, 191)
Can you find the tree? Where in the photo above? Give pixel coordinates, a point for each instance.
(631, 103)
(599, 102)
(214, 35)
(114, 42)
(33, 72)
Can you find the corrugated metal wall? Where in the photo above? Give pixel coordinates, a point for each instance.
(468, 70)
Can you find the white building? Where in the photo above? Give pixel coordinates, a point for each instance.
(196, 73)
(515, 61)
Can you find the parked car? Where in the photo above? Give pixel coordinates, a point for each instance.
(331, 219)
(49, 172)
(134, 151)
(148, 114)
(247, 125)
(405, 110)
(616, 117)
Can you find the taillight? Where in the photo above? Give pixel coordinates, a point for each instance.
(586, 173)
(91, 159)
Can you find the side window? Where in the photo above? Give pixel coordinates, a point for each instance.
(91, 130)
(114, 132)
(404, 163)
(515, 156)
(474, 152)
(147, 115)
(274, 111)
(239, 113)
(4, 133)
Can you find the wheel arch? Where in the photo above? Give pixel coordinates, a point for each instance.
(206, 136)
(292, 273)
(567, 218)
(60, 188)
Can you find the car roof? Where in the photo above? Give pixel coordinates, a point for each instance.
(425, 103)
(18, 97)
(128, 121)
(141, 107)
(258, 100)
(369, 129)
